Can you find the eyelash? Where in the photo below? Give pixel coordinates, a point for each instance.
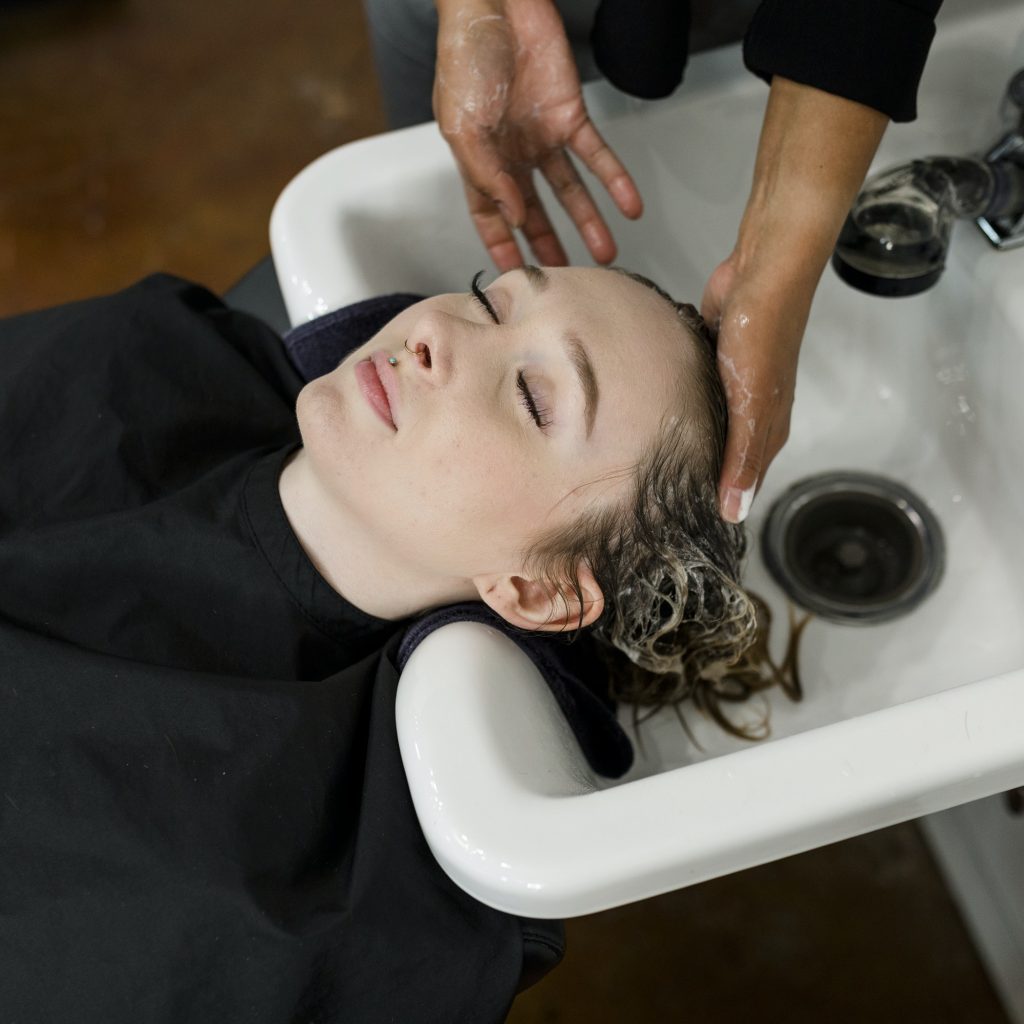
(474, 287)
(540, 416)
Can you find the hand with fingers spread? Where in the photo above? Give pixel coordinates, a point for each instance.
(507, 99)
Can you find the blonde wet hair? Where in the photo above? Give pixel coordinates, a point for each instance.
(676, 617)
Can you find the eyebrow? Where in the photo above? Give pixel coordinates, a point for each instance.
(576, 351)
(537, 278)
(588, 381)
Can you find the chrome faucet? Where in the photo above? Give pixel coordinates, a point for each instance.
(894, 239)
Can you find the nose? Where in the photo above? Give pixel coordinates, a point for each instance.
(435, 338)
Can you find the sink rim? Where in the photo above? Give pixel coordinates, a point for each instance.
(831, 780)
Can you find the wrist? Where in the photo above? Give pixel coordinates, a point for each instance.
(805, 180)
(812, 156)
(786, 248)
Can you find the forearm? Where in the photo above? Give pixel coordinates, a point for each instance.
(813, 154)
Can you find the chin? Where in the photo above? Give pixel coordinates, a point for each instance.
(322, 418)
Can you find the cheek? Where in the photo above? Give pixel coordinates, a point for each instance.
(465, 482)
(477, 484)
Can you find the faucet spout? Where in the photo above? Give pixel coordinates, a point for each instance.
(895, 238)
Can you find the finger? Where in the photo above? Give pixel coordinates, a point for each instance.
(745, 442)
(494, 231)
(537, 228)
(570, 191)
(718, 287)
(741, 481)
(742, 469)
(483, 168)
(776, 442)
(599, 158)
(711, 308)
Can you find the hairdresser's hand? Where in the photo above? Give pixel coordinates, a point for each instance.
(812, 157)
(507, 99)
(760, 324)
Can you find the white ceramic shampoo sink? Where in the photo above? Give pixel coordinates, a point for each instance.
(899, 719)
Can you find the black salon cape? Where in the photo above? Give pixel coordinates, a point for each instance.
(203, 813)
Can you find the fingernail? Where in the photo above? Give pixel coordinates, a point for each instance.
(737, 504)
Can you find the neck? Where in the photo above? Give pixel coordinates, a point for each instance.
(353, 559)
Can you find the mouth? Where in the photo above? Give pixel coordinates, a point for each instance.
(378, 385)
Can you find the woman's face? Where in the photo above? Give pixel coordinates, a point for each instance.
(504, 425)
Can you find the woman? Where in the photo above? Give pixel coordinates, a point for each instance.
(502, 79)
(204, 814)
(548, 450)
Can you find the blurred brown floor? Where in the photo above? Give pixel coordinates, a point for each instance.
(138, 135)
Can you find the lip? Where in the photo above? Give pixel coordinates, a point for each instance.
(379, 384)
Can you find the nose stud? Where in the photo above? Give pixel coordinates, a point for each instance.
(393, 360)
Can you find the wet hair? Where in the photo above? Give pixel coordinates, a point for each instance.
(675, 617)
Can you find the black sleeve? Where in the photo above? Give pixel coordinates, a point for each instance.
(870, 51)
(642, 48)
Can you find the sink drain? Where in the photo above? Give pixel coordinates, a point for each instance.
(853, 547)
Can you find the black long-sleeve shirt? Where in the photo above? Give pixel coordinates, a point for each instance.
(870, 51)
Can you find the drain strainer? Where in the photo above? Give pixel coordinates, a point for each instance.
(853, 547)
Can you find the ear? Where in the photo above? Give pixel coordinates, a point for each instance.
(536, 604)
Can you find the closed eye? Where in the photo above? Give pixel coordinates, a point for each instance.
(540, 416)
(480, 297)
